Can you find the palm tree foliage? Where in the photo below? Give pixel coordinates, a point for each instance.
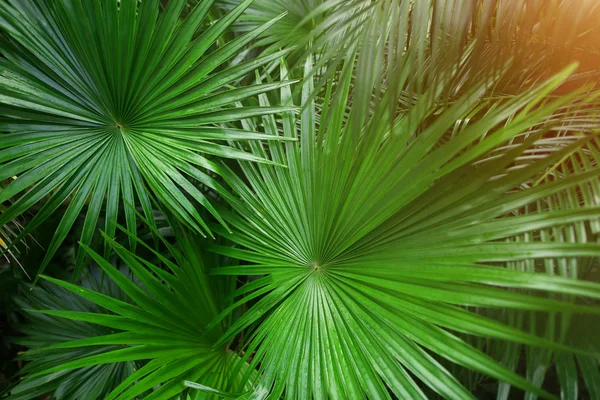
(306, 24)
(377, 236)
(159, 322)
(44, 330)
(418, 218)
(120, 107)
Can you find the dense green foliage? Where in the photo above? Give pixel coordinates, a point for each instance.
(300, 199)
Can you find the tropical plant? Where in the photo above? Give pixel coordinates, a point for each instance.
(121, 108)
(7, 232)
(378, 235)
(43, 330)
(159, 322)
(417, 217)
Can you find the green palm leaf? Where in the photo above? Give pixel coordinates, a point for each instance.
(109, 103)
(43, 330)
(563, 327)
(386, 230)
(429, 236)
(318, 21)
(160, 323)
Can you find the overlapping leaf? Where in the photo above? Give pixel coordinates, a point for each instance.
(424, 233)
(323, 21)
(563, 327)
(8, 232)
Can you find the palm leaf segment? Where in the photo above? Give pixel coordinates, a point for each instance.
(564, 327)
(385, 228)
(109, 102)
(41, 330)
(159, 323)
(8, 232)
(320, 21)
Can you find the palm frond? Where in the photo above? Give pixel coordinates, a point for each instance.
(386, 232)
(160, 323)
(561, 327)
(109, 103)
(44, 330)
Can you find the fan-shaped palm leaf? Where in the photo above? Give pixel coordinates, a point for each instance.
(162, 323)
(109, 102)
(385, 229)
